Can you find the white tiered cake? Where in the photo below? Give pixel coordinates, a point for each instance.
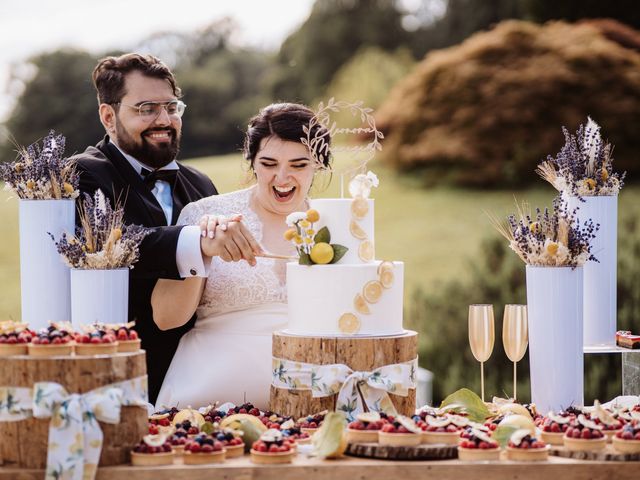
(356, 296)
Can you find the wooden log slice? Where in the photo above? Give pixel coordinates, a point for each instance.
(23, 444)
(362, 354)
(608, 454)
(390, 452)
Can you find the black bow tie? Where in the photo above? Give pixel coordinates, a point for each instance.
(150, 177)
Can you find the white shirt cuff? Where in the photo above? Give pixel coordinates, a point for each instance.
(189, 258)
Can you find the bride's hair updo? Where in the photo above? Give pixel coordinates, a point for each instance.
(285, 121)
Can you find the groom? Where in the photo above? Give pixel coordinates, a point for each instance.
(134, 164)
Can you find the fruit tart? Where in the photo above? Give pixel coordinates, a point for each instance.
(525, 447)
(292, 432)
(153, 450)
(189, 420)
(584, 435)
(476, 445)
(213, 415)
(444, 429)
(554, 426)
(128, 340)
(400, 431)
(203, 449)
(272, 448)
(14, 338)
(178, 439)
(365, 428)
(95, 340)
(627, 440)
(311, 423)
(56, 339)
(231, 440)
(609, 423)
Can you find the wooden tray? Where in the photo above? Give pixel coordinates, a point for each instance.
(608, 454)
(390, 452)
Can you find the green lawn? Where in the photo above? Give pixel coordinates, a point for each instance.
(435, 232)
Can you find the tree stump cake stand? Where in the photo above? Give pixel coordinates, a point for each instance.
(359, 353)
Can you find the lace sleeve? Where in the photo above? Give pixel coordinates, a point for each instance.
(190, 214)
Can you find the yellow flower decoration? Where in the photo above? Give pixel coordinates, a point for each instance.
(552, 248)
(313, 215)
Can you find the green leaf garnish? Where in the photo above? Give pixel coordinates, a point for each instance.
(503, 433)
(465, 401)
(207, 427)
(338, 252)
(305, 259)
(323, 236)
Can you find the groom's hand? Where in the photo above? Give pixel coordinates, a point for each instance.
(231, 244)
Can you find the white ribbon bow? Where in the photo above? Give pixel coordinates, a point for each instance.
(357, 391)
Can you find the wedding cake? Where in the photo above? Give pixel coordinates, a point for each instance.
(342, 290)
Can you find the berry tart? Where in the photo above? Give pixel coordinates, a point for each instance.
(627, 440)
(400, 431)
(178, 440)
(292, 432)
(203, 449)
(14, 338)
(365, 428)
(554, 426)
(212, 415)
(609, 423)
(56, 339)
(96, 340)
(128, 340)
(311, 423)
(152, 450)
(525, 447)
(476, 444)
(444, 429)
(231, 440)
(272, 448)
(584, 435)
(189, 420)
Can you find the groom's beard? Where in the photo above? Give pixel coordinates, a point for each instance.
(154, 156)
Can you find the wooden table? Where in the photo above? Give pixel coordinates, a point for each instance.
(365, 469)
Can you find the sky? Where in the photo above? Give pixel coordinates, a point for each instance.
(28, 27)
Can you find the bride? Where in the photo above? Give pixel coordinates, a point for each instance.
(227, 355)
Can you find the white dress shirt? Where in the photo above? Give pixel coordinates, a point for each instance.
(189, 258)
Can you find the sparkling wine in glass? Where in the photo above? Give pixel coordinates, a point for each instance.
(481, 336)
(515, 335)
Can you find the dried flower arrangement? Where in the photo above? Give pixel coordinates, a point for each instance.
(102, 241)
(42, 173)
(551, 239)
(583, 167)
(313, 247)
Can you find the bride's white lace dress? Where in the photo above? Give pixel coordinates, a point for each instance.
(226, 357)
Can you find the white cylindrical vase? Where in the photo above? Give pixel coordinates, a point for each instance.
(44, 277)
(554, 303)
(100, 296)
(600, 278)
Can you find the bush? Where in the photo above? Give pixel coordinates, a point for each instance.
(498, 277)
(484, 113)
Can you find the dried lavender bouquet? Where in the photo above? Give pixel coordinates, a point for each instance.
(102, 241)
(550, 238)
(42, 172)
(583, 167)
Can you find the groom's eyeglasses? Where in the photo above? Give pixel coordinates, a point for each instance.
(152, 110)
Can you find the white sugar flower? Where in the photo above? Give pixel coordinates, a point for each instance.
(361, 184)
(295, 217)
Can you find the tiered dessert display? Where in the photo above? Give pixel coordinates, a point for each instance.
(345, 315)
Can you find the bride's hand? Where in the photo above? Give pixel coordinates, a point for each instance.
(232, 241)
(208, 223)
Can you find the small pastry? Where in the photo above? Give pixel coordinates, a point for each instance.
(14, 338)
(95, 340)
(523, 446)
(203, 449)
(400, 431)
(444, 429)
(627, 440)
(153, 450)
(272, 448)
(56, 339)
(365, 428)
(584, 435)
(477, 445)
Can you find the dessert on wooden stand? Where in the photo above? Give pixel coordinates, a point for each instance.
(555, 425)
(56, 339)
(231, 440)
(128, 339)
(153, 450)
(365, 427)
(95, 340)
(584, 435)
(14, 338)
(627, 440)
(203, 449)
(293, 432)
(345, 309)
(609, 423)
(272, 448)
(476, 445)
(524, 446)
(400, 431)
(445, 429)
(311, 423)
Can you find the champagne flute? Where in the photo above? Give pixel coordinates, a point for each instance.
(515, 335)
(481, 335)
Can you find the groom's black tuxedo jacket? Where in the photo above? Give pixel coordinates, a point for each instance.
(104, 167)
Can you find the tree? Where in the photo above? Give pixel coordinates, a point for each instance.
(334, 31)
(626, 11)
(60, 96)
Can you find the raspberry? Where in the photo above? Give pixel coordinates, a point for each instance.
(95, 340)
(273, 448)
(575, 433)
(12, 340)
(402, 429)
(483, 445)
(206, 448)
(586, 434)
(261, 448)
(389, 428)
(637, 436)
(133, 335)
(194, 447)
(555, 428)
